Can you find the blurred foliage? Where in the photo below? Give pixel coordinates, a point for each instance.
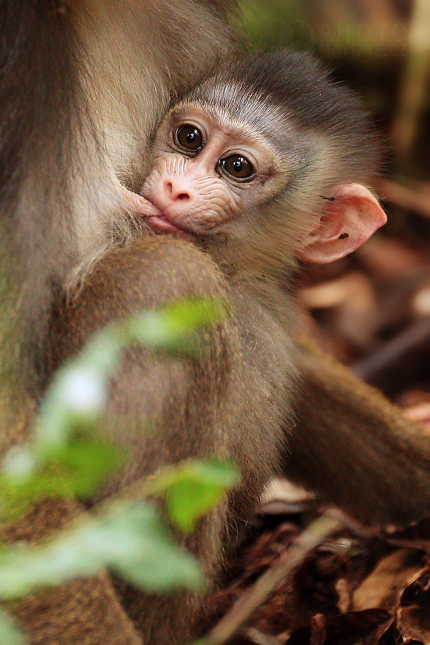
(192, 489)
(333, 28)
(66, 458)
(128, 537)
(9, 632)
(74, 469)
(58, 457)
(363, 43)
(271, 23)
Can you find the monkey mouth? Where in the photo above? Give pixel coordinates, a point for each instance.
(160, 224)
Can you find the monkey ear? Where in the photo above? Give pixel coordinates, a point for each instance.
(348, 221)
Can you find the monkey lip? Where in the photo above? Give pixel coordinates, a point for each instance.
(160, 224)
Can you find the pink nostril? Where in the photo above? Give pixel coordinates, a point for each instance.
(168, 186)
(176, 192)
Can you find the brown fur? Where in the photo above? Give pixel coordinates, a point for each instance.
(81, 81)
(355, 447)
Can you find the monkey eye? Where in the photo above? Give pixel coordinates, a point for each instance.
(189, 137)
(237, 167)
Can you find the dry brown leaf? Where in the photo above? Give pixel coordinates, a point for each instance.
(353, 296)
(413, 615)
(385, 585)
(354, 628)
(389, 258)
(410, 623)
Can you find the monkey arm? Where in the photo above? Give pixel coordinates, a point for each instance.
(354, 447)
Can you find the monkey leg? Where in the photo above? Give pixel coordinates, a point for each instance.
(177, 395)
(161, 409)
(355, 448)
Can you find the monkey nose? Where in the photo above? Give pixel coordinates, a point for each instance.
(178, 191)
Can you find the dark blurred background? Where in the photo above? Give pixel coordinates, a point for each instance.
(372, 309)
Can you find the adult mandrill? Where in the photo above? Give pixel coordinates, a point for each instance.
(82, 84)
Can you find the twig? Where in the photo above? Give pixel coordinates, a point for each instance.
(370, 368)
(229, 625)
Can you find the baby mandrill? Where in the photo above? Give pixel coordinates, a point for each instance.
(260, 165)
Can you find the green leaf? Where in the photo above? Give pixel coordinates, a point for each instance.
(85, 462)
(129, 538)
(192, 489)
(132, 540)
(77, 393)
(156, 563)
(73, 470)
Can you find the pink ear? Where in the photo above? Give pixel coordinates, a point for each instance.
(348, 221)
